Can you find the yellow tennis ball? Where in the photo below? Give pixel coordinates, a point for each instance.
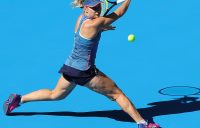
(131, 37)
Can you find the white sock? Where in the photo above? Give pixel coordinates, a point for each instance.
(142, 122)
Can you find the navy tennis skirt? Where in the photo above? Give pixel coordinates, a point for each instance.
(78, 76)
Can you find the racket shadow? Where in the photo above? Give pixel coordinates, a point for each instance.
(160, 108)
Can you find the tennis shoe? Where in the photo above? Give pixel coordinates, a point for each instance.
(11, 103)
(150, 125)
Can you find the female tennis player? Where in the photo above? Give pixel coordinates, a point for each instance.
(80, 69)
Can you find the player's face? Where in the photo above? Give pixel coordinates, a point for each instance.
(93, 12)
(97, 8)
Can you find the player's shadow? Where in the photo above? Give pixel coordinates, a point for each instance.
(181, 105)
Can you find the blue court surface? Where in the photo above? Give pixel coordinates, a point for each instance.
(36, 37)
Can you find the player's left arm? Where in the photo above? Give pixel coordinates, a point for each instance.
(109, 19)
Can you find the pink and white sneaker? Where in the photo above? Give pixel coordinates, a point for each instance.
(11, 103)
(150, 125)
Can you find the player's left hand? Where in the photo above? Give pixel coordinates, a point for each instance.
(110, 27)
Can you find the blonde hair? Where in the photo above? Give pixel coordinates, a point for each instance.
(77, 3)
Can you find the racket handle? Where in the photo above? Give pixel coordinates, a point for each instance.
(119, 1)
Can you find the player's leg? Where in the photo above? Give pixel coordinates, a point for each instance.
(62, 89)
(104, 85)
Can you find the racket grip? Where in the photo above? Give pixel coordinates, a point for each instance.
(119, 1)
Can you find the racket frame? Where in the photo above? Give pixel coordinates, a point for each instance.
(107, 8)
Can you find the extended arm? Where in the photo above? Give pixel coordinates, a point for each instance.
(109, 19)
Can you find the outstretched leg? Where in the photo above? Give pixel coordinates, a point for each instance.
(62, 89)
(104, 85)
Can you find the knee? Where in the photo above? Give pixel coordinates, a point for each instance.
(56, 95)
(115, 96)
(123, 101)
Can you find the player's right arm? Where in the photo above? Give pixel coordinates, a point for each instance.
(119, 12)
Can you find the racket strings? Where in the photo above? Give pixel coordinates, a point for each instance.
(104, 7)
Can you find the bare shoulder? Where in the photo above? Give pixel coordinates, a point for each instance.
(104, 20)
(97, 22)
(89, 29)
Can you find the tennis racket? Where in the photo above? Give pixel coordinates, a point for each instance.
(107, 5)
